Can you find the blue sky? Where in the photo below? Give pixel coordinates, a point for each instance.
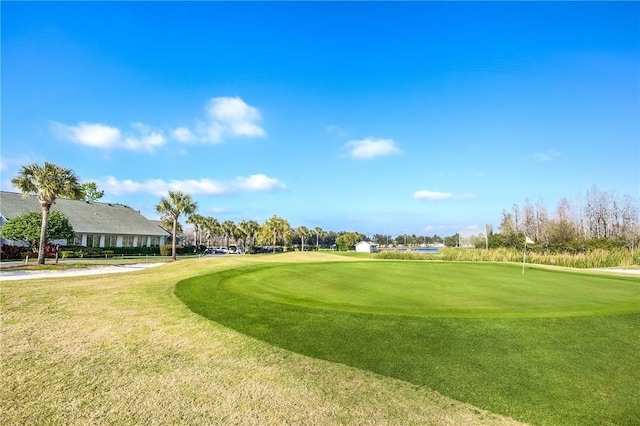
(394, 118)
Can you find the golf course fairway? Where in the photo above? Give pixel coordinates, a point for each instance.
(546, 347)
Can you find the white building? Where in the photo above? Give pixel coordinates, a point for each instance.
(366, 247)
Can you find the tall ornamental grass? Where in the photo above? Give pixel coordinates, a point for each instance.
(598, 258)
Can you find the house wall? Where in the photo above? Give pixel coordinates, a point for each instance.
(366, 248)
(101, 240)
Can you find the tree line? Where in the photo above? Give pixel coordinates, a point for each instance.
(597, 219)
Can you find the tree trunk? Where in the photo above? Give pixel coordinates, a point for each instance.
(173, 242)
(43, 234)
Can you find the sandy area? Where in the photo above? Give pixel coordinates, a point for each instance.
(7, 275)
(620, 271)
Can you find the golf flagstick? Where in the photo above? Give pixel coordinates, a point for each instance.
(527, 240)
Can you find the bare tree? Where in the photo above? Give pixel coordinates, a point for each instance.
(515, 210)
(507, 227)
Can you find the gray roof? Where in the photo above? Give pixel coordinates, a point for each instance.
(85, 217)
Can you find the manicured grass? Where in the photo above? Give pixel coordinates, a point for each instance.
(123, 350)
(432, 289)
(547, 347)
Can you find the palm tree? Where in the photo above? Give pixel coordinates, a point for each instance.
(212, 227)
(285, 232)
(303, 232)
(48, 182)
(250, 229)
(228, 228)
(172, 207)
(238, 234)
(276, 227)
(197, 221)
(319, 232)
(270, 229)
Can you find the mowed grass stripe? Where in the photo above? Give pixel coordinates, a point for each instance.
(543, 370)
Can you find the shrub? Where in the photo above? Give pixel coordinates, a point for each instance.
(64, 254)
(134, 251)
(13, 252)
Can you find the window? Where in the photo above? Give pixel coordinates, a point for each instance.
(127, 241)
(93, 240)
(142, 240)
(155, 241)
(110, 240)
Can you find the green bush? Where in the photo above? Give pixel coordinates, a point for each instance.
(81, 251)
(135, 251)
(64, 254)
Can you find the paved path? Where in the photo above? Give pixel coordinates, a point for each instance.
(621, 271)
(8, 275)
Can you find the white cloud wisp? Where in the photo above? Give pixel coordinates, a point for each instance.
(425, 194)
(101, 136)
(252, 183)
(369, 148)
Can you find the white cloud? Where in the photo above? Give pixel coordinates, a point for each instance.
(144, 143)
(258, 183)
(252, 183)
(226, 117)
(365, 149)
(101, 136)
(183, 134)
(93, 135)
(431, 195)
(546, 155)
(427, 195)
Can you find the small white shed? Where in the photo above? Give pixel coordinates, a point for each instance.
(366, 247)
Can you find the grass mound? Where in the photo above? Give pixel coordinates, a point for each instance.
(432, 289)
(546, 348)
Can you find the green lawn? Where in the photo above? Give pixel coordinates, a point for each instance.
(547, 348)
(123, 350)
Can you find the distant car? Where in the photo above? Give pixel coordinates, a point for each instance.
(236, 250)
(215, 250)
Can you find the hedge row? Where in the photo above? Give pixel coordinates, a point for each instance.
(70, 251)
(83, 252)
